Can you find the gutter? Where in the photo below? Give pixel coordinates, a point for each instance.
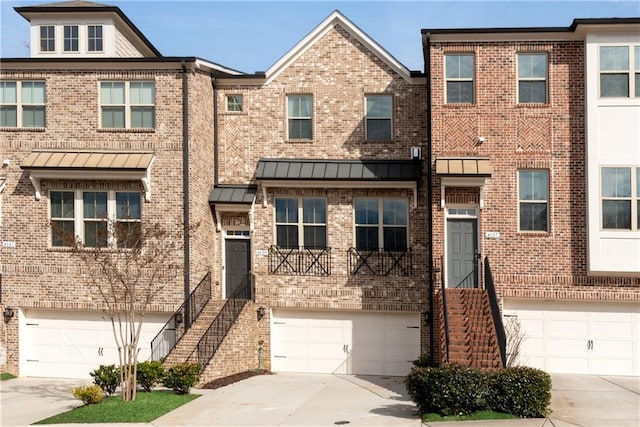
(426, 49)
(185, 192)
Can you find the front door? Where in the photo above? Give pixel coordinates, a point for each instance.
(238, 261)
(462, 247)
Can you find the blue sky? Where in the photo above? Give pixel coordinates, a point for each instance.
(252, 35)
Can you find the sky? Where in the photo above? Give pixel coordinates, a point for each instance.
(251, 36)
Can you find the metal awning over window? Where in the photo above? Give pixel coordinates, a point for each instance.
(233, 198)
(463, 172)
(78, 164)
(312, 173)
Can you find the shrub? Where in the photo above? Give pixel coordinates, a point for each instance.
(447, 390)
(149, 374)
(521, 391)
(107, 377)
(89, 395)
(180, 378)
(424, 361)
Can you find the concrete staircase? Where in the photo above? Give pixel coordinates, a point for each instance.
(472, 335)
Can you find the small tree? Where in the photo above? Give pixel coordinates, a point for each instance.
(128, 264)
(515, 338)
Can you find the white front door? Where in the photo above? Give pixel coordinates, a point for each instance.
(344, 342)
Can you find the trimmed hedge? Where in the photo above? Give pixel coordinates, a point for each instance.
(149, 374)
(107, 377)
(454, 390)
(89, 395)
(180, 378)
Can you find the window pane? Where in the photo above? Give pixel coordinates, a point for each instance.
(394, 212)
(95, 234)
(459, 66)
(314, 211)
(614, 85)
(71, 38)
(287, 236)
(636, 55)
(367, 238)
(637, 91)
(532, 65)
(532, 91)
(533, 217)
(287, 210)
(142, 117)
(533, 185)
(33, 92)
(8, 93)
(47, 38)
(616, 214)
(112, 92)
(638, 184)
(299, 129)
(616, 182)
(378, 130)
(61, 204)
(8, 116)
(95, 204)
(33, 116)
(395, 238)
(113, 117)
(128, 234)
(128, 206)
(378, 106)
(234, 103)
(299, 105)
(142, 92)
(366, 211)
(315, 237)
(459, 92)
(614, 58)
(62, 233)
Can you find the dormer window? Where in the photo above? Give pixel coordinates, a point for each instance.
(47, 38)
(71, 38)
(94, 38)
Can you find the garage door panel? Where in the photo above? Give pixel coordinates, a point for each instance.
(621, 367)
(568, 365)
(563, 328)
(607, 330)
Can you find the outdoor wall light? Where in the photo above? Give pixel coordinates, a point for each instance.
(427, 316)
(178, 317)
(8, 314)
(261, 312)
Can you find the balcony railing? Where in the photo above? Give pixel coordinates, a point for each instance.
(300, 261)
(378, 262)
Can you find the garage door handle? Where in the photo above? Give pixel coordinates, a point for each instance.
(589, 344)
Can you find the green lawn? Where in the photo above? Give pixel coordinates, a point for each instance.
(479, 415)
(146, 408)
(6, 376)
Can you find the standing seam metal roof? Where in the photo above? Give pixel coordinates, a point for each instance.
(358, 170)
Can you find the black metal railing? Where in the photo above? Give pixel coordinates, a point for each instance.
(300, 261)
(445, 316)
(379, 262)
(495, 311)
(215, 334)
(177, 325)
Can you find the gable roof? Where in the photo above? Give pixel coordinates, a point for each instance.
(336, 18)
(80, 6)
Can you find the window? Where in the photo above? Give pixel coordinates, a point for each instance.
(22, 104)
(101, 219)
(617, 78)
(70, 38)
(532, 77)
(47, 38)
(378, 118)
(234, 103)
(301, 223)
(127, 105)
(300, 116)
(381, 224)
(94, 38)
(621, 198)
(533, 197)
(459, 76)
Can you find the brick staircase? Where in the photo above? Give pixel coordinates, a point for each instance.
(472, 336)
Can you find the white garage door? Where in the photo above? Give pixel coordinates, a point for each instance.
(367, 343)
(578, 337)
(70, 344)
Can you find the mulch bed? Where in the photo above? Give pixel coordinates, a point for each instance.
(221, 382)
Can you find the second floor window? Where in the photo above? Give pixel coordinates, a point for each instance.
(459, 72)
(379, 117)
(70, 38)
(621, 198)
(532, 78)
(125, 105)
(533, 197)
(47, 38)
(301, 222)
(300, 116)
(94, 38)
(22, 104)
(234, 103)
(381, 224)
(619, 71)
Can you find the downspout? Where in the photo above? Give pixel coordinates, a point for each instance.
(215, 130)
(185, 192)
(426, 49)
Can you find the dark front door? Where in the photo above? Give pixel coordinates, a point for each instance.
(462, 246)
(238, 261)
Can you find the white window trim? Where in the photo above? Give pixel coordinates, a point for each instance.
(460, 79)
(544, 79)
(380, 224)
(78, 212)
(301, 224)
(630, 71)
(547, 201)
(20, 105)
(367, 118)
(633, 198)
(127, 103)
(313, 106)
